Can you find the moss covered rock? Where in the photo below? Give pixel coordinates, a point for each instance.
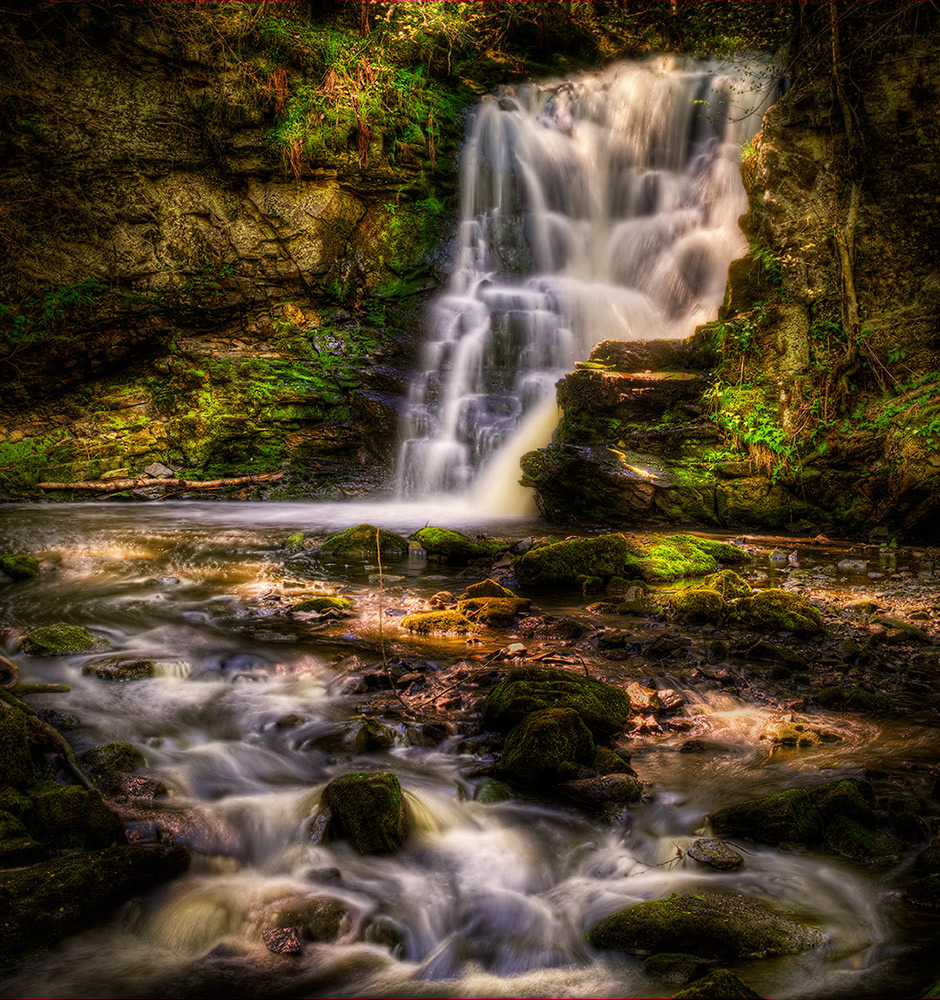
(698, 604)
(773, 819)
(603, 707)
(728, 584)
(294, 543)
(61, 639)
(43, 903)
(596, 792)
(797, 734)
(712, 925)
(607, 761)
(106, 763)
(779, 611)
(361, 541)
(16, 762)
(324, 603)
(721, 984)
(716, 854)
(547, 747)
(19, 567)
(675, 968)
(369, 811)
(850, 839)
(853, 698)
(493, 612)
(453, 547)
(73, 818)
(439, 623)
(119, 668)
(487, 588)
(847, 797)
(17, 847)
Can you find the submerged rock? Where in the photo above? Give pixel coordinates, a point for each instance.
(439, 623)
(778, 610)
(709, 924)
(523, 690)
(61, 639)
(453, 547)
(361, 541)
(547, 746)
(774, 819)
(718, 985)
(368, 810)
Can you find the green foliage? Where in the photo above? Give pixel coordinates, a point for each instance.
(744, 412)
(770, 264)
(49, 313)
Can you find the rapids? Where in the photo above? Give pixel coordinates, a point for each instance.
(485, 899)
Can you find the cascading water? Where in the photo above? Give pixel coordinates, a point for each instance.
(604, 207)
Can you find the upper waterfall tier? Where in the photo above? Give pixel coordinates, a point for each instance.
(604, 207)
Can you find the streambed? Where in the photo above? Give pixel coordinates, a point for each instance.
(486, 898)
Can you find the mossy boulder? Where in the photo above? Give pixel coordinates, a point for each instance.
(361, 541)
(847, 797)
(722, 984)
(712, 925)
(324, 603)
(62, 639)
(106, 763)
(45, 902)
(449, 546)
(779, 611)
(698, 604)
(16, 762)
(439, 623)
(674, 968)
(850, 839)
(593, 793)
(19, 567)
(17, 847)
(487, 588)
(547, 747)
(728, 584)
(606, 761)
(524, 690)
(369, 811)
(773, 819)
(69, 817)
(295, 542)
(120, 668)
(493, 612)
(853, 698)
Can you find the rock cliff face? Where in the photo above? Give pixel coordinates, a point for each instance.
(175, 287)
(786, 414)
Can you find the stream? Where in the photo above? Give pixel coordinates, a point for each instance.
(251, 713)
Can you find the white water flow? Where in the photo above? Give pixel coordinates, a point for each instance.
(601, 208)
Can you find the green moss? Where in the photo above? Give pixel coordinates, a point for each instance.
(933, 992)
(852, 840)
(16, 763)
(603, 707)
(607, 762)
(60, 640)
(493, 612)
(105, 764)
(486, 588)
(454, 547)
(718, 985)
(120, 668)
(774, 819)
(368, 810)
(294, 543)
(698, 604)
(439, 623)
(848, 797)
(710, 925)
(73, 818)
(778, 610)
(361, 541)
(853, 698)
(16, 845)
(797, 734)
(19, 567)
(321, 604)
(546, 747)
(723, 552)
(728, 584)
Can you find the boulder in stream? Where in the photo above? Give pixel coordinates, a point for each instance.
(444, 545)
(487, 588)
(722, 984)
(439, 623)
(853, 698)
(850, 839)
(773, 819)
(707, 924)
(778, 610)
(673, 968)
(716, 854)
(19, 567)
(62, 639)
(361, 541)
(698, 604)
(547, 746)
(106, 764)
(120, 668)
(493, 612)
(368, 810)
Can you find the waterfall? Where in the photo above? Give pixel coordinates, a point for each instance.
(599, 208)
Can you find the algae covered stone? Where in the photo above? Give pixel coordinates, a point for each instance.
(323, 603)
(19, 567)
(773, 819)
(106, 763)
(546, 747)
(523, 690)
(74, 818)
(361, 541)
(698, 604)
(728, 584)
(778, 610)
(869, 847)
(487, 588)
(721, 984)
(439, 623)
(493, 612)
(368, 810)
(61, 639)
(453, 547)
(711, 924)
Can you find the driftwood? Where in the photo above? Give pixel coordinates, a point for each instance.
(141, 482)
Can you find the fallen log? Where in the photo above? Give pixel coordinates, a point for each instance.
(141, 482)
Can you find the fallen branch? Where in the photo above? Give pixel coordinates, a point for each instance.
(116, 485)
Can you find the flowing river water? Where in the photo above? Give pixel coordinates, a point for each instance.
(486, 899)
